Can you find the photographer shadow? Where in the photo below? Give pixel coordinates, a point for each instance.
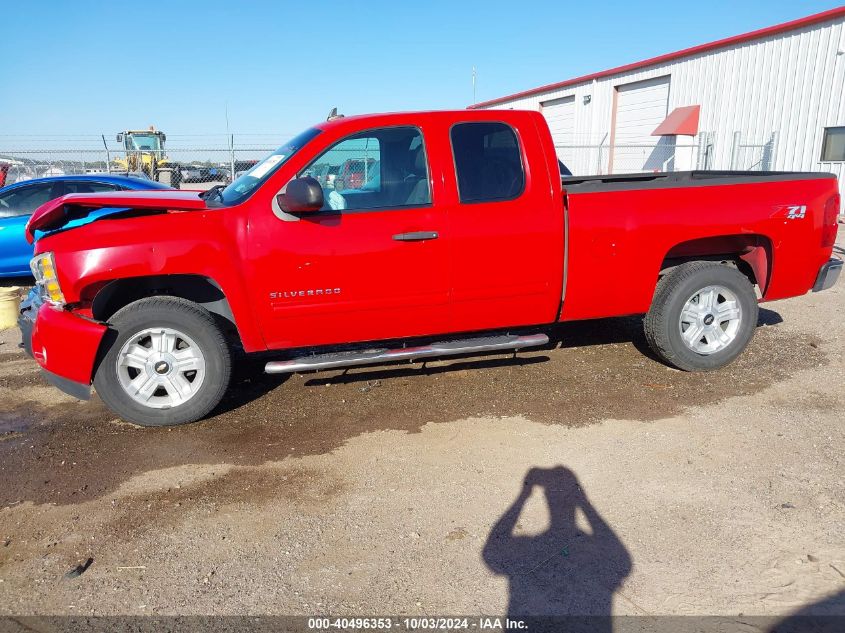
(566, 570)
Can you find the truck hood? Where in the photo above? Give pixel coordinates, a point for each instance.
(57, 213)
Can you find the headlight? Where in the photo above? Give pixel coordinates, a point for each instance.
(44, 270)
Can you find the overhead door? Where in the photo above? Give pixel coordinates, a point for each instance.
(560, 115)
(640, 108)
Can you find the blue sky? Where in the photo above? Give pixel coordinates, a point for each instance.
(88, 67)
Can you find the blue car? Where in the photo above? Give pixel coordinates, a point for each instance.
(18, 201)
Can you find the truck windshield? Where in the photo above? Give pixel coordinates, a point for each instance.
(143, 142)
(243, 187)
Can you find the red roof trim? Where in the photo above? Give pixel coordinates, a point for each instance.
(683, 121)
(736, 39)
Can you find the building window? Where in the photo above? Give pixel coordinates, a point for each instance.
(488, 162)
(833, 144)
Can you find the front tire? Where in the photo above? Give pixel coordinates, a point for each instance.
(702, 317)
(168, 363)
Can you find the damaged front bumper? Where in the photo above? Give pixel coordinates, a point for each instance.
(63, 344)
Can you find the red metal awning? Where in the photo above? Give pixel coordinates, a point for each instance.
(680, 121)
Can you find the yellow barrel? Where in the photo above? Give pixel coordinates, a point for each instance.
(9, 302)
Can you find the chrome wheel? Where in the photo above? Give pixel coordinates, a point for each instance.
(710, 320)
(160, 368)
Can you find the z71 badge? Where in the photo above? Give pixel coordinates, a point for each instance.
(796, 212)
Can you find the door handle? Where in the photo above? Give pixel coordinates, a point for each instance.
(416, 236)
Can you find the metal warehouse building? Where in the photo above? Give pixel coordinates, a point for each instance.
(773, 99)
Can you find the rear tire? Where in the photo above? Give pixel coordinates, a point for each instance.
(702, 317)
(168, 363)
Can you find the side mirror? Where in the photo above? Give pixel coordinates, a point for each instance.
(119, 138)
(302, 195)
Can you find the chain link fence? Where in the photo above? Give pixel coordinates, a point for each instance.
(667, 155)
(627, 158)
(202, 161)
(189, 162)
(662, 157)
(753, 156)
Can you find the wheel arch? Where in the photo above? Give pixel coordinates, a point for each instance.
(108, 298)
(751, 254)
(663, 323)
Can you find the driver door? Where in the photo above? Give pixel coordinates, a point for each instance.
(372, 263)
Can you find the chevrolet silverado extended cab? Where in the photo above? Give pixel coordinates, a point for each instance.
(461, 237)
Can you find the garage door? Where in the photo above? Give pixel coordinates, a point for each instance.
(640, 108)
(560, 115)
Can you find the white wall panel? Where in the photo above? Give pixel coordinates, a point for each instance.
(640, 107)
(560, 115)
(792, 83)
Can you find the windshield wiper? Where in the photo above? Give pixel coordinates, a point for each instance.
(216, 190)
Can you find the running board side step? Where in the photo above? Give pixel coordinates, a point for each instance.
(377, 356)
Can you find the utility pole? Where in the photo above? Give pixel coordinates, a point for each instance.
(231, 139)
(108, 156)
(473, 85)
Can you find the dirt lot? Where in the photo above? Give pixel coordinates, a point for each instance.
(583, 479)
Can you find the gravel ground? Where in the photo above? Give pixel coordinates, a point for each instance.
(584, 479)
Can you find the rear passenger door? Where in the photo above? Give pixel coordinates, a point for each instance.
(505, 227)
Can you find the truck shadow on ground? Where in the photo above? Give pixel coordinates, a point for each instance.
(573, 334)
(564, 570)
(249, 383)
(432, 368)
(76, 451)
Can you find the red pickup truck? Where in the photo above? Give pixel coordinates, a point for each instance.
(466, 241)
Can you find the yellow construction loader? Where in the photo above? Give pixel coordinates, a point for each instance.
(145, 153)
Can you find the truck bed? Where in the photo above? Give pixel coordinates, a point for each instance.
(698, 178)
(623, 229)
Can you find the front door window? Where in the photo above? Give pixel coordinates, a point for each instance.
(377, 169)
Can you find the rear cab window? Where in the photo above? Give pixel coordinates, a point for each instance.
(488, 162)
